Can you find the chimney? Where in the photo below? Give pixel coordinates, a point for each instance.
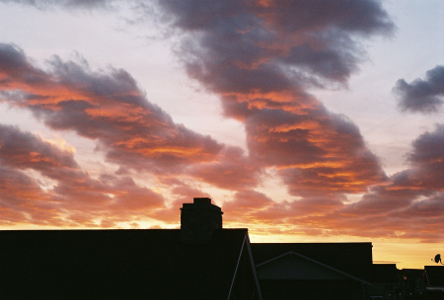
(198, 220)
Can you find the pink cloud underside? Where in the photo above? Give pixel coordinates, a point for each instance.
(409, 205)
(26, 198)
(110, 109)
(261, 57)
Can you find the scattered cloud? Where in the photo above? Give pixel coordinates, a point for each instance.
(424, 96)
(25, 199)
(262, 59)
(409, 205)
(108, 107)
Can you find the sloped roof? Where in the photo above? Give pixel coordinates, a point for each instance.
(117, 264)
(435, 275)
(293, 266)
(384, 273)
(351, 258)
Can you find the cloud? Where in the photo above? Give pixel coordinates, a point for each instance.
(409, 205)
(180, 193)
(256, 207)
(75, 199)
(15, 67)
(22, 150)
(106, 107)
(78, 4)
(363, 17)
(260, 67)
(261, 57)
(247, 202)
(233, 170)
(427, 160)
(424, 96)
(240, 46)
(427, 157)
(109, 108)
(412, 203)
(19, 193)
(316, 153)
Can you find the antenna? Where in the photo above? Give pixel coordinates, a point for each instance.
(437, 259)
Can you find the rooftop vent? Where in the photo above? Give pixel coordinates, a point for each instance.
(198, 220)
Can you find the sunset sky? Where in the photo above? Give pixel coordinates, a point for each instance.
(306, 121)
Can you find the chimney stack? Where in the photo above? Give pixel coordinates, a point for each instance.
(198, 220)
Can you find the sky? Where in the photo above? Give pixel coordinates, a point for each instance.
(306, 121)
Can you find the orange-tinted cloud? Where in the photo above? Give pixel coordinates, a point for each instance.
(261, 58)
(111, 109)
(233, 170)
(410, 205)
(25, 199)
(262, 66)
(133, 133)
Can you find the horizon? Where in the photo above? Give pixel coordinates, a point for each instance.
(304, 121)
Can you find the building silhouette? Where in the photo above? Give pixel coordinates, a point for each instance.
(313, 270)
(201, 260)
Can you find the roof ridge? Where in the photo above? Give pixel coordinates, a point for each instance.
(313, 261)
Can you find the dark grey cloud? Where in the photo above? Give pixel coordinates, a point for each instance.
(427, 158)
(323, 65)
(422, 95)
(253, 38)
(14, 66)
(361, 16)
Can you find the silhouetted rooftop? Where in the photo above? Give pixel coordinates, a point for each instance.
(117, 264)
(435, 275)
(352, 258)
(384, 273)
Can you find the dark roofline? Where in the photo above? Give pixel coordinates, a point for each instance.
(432, 281)
(246, 244)
(313, 261)
(125, 246)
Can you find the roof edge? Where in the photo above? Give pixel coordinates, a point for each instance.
(245, 244)
(291, 252)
